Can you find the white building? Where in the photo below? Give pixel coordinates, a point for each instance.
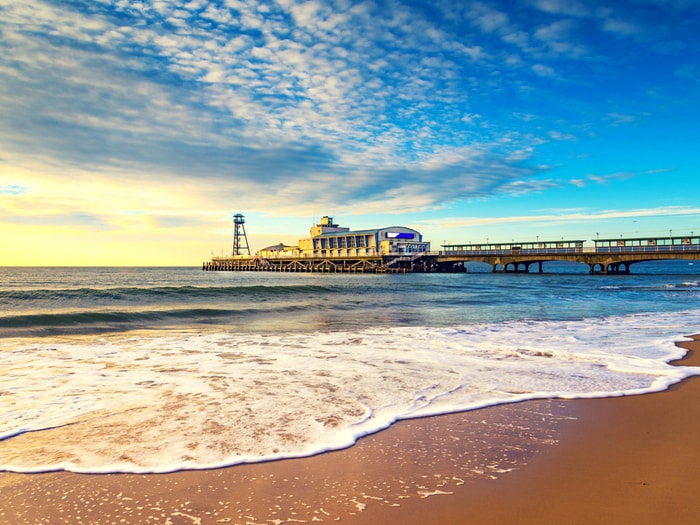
(328, 239)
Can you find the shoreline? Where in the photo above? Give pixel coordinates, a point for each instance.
(629, 460)
(619, 460)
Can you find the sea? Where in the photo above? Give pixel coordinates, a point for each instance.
(152, 370)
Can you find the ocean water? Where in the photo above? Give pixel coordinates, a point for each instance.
(162, 369)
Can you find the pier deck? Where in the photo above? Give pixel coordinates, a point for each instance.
(608, 256)
(357, 264)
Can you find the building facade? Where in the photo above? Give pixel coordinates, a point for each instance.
(328, 239)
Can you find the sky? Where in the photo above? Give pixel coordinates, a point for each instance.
(131, 131)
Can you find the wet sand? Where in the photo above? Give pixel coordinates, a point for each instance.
(614, 461)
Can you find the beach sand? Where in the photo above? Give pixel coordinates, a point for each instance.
(628, 460)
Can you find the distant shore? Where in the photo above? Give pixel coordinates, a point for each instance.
(627, 460)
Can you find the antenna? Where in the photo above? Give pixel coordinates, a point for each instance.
(240, 239)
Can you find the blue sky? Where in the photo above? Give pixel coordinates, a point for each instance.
(131, 131)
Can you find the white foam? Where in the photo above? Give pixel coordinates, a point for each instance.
(157, 403)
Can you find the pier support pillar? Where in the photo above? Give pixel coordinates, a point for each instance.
(618, 268)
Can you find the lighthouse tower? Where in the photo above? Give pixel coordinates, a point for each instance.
(240, 240)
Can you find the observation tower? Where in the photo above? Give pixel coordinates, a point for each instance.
(240, 239)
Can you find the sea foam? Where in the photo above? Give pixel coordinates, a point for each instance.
(165, 401)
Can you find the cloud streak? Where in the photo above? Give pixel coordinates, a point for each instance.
(567, 217)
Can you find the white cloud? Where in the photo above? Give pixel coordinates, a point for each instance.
(563, 7)
(620, 27)
(544, 70)
(557, 135)
(487, 18)
(620, 119)
(560, 39)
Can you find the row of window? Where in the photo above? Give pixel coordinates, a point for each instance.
(350, 241)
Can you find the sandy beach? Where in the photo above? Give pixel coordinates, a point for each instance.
(615, 461)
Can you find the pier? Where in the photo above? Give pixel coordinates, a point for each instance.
(606, 256)
(331, 248)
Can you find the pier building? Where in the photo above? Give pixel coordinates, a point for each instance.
(334, 248)
(328, 239)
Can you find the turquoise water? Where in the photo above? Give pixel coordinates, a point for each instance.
(52, 301)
